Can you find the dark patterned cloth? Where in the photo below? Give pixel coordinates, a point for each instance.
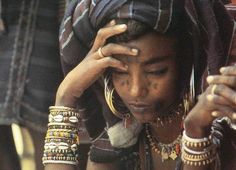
(84, 18)
(29, 61)
(207, 21)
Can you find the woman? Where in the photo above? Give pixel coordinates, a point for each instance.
(144, 53)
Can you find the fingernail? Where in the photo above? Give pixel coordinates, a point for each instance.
(234, 116)
(123, 26)
(210, 79)
(125, 67)
(222, 69)
(215, 114)
(113, 22)
(135, 51)
(210, 97)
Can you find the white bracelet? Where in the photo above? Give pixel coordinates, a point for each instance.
(205, 150)
(194, 140)
(60, 162)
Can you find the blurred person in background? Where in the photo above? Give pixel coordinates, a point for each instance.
(29, 72)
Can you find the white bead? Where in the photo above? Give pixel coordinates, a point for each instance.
(50, 118)
(73, 119)
(52, 145)
(63, 145)
(58, 118)
(74, 147)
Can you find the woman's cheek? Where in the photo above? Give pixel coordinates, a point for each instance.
(120, 84)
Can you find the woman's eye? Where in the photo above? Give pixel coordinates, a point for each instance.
(158, 72)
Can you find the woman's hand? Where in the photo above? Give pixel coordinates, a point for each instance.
(93, 65)
(218, 100)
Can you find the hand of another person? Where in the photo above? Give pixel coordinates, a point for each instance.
(94, 64)
(218, 100)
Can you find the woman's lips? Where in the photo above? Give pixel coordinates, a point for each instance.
(138, 107)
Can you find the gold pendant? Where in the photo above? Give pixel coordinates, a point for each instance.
(173, 155)
(164, 154)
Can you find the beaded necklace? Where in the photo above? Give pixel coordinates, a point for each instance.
(161, 121)
(167, 151)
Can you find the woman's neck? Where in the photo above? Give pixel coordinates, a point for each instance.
(168, 132)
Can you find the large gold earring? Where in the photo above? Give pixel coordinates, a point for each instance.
(190, 95)
(109, 100)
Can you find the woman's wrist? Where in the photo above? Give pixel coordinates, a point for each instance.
(67, 101)
(65, 98)
(195, 130)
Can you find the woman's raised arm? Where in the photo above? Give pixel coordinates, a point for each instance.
(219, 100)
(71, 89)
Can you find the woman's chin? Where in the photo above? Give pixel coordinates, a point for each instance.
(143, 117)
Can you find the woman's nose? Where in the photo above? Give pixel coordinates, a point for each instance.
(138, 87)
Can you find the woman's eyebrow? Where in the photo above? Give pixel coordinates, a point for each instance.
(155, 60)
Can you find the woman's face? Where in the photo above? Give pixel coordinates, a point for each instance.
(149, 87)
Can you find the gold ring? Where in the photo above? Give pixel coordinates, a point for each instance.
(215, 114)
(213, 89)
(100, 53)
(234, 116)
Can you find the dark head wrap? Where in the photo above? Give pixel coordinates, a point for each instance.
(209, 23)
(207, 20)
(84, 18)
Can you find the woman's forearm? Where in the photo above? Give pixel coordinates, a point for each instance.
(197, 144)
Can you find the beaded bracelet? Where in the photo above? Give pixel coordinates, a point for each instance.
(67, 140)
(205, 150)
(58, 125)
(63, 114)
(62, 139)
(193, 162)
(194, 142)
(205, 153)
(192, 157)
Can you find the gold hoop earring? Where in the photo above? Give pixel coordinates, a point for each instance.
(108, 93)
(192, 93)
(189, 93)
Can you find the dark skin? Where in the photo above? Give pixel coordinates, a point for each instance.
(151, 77)
(145, 76)
(153, 67)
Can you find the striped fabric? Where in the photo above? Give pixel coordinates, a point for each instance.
(29, 61)
(84, 17)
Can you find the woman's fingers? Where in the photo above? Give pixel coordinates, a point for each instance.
(222, 79)
(224, 112)
(106, 32)
(115, 49)
(217, 99)
(229, 70)
(224, 91)
(221, 107)
(111, 62)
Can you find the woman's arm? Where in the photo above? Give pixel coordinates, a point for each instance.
(218, 100)
(89, 70)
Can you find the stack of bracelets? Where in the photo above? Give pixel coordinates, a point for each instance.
(198, 152)
(62, 140)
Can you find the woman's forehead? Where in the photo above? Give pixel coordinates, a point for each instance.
(152, 48)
